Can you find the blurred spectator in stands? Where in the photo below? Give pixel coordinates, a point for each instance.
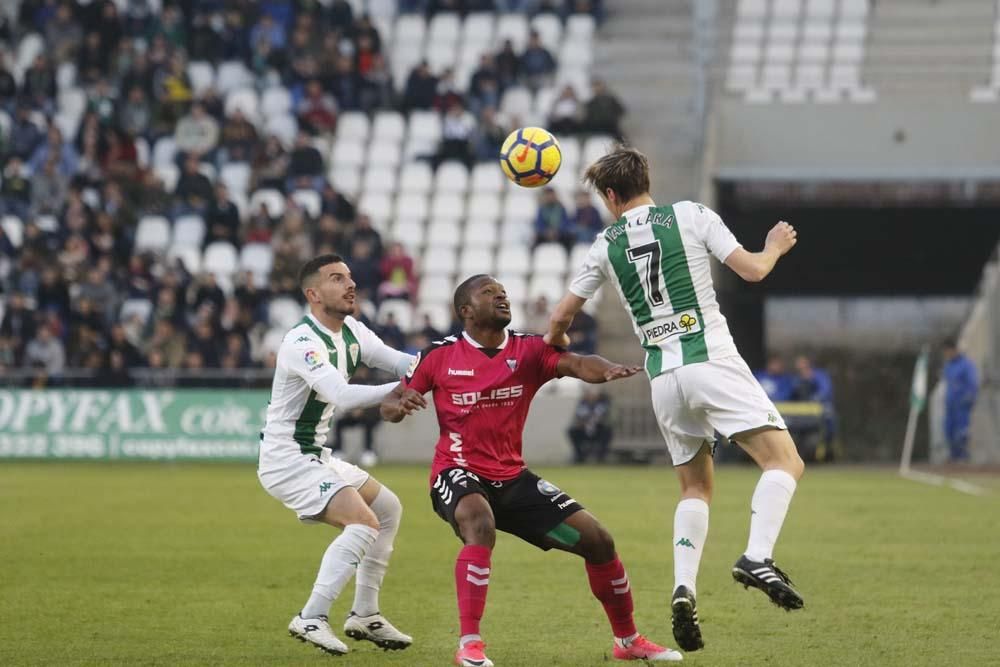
(329, 233)
(63, 33)
(193, 190)
(391, 332)
(489, 135)
(75, 256)
(376, 85)
(206, 290)
(222, 219)
(55, 147)
(603, 112)
(583, 334)
(99, 290)
(365, 268)
(16, 190)
(508, 64)
(336, 204)
(258, 228)
(238, 138)
(305, 160)
(235, 354)
(45, 350)
(7, 251)
(565, 115)
(537, 64)
(135, 115)
(961, 382)
(814, 384)
(8, 85)
(537, 316)
(92, 60)
(484, 85)
(203, 342)
(121, 158)
(197, 132)
(173, 89)
(52, 293)
(429, 331)
(399, 279)
(317, 111)
(25, 136)
(114, 372)
(18, 323)
(101, 100)
(590, 431)
(586, 220)
(456, 137)
(346, 85)
(447, 93)
(551, 222)
(593, 7)
(775, 380)
(119, 343)
(363, 231)
(421, 88)
(270, 166)
(269, 30)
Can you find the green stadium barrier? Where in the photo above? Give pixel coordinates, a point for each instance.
(131, 424)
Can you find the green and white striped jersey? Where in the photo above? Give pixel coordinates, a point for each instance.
(298, 415)
(657, 259)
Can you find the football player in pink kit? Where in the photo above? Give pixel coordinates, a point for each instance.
(483, 382)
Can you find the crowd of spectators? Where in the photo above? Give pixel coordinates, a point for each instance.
(80, 196)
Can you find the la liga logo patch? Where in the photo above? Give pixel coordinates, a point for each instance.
(313, 359)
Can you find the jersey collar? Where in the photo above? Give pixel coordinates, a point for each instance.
(634, 212)
(473, 343)
(319, 325)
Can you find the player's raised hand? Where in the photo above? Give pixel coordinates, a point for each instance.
(411, 401)
(561, 341)
(781, 237)
(619, 372)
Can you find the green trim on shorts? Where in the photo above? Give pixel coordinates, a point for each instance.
(564, 534)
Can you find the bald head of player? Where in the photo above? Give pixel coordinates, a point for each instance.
(481, 303)
(327, 284)
(621, 178)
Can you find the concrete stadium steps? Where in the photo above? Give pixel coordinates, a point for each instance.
(645, 53)
(920, 47)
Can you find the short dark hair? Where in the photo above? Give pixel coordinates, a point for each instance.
(312, 267)
(625, 170)
(464, 291)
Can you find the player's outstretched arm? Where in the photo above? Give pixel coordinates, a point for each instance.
(755, 266)
(401, 402)
(593, 368)
(562, 320)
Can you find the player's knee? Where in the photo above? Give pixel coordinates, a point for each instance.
(388, 509)
(794, 465)
(477, 528)
(602, 548)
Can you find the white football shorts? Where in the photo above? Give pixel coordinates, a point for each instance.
(305, 483)
(692, 402)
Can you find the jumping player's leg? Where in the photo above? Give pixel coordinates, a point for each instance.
(775, 452)
(366, 620)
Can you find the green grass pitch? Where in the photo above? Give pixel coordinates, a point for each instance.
(151, 564)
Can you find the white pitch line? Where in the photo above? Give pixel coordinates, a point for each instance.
(939, 480)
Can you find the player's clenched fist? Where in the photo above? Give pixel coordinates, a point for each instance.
(411, 401)
(619, 372)
(781, 237)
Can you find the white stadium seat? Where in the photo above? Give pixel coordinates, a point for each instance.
(142, 308)
(220, 258)
(484, 206)
(416, 177)
(189, 230)
(400, 310)
(276, 101)
(353, 126)
(549, 29)
(164, 151)
(516, 101)
(514, 284)
(435, 289)
(231, 75)
(388, 125)
(13, 229)
(444, 233)
(410, 28)
(347, 153)
(520, 204)
(188, 255)
(487, 178)
(452, 176)
(596, 147)
(447, 206)
(549, 258)
(476, 260)
(346, 179)
(273, 200)
(480, 233)
(425, 124)
(235, 176)
(438, 261)
(284, 127)
(309, 201)
(441, 56)
(283, 312)
(410, 232)
(380, 179)
(412, 206)
(378, 206)
(549, 286)
(478, 28)
(580, 27)
(168, 175)
(514, 260)
(513, 27)
(152, 234)
(751, 9)
(201, 75)
(384, 152)
(439, 315)
(445, 27)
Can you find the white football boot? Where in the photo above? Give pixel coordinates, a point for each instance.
(316, 631)
(376, 629)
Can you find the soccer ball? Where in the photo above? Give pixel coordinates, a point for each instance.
(530, 156)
